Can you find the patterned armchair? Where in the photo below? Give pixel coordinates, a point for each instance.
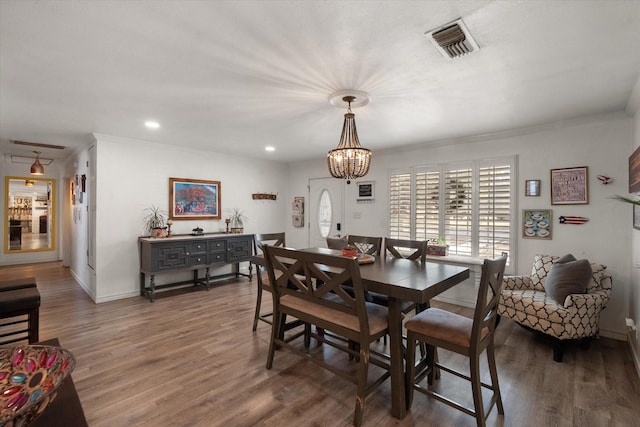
(524, 300)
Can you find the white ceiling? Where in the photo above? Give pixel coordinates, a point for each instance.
(234, 77)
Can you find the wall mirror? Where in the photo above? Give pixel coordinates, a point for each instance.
(29, 214)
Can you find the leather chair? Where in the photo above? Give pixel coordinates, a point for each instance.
(439, 328)
(303, 288)
(525, 301)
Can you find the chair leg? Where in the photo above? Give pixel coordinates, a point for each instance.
(34, 325)
(275, 333)
(256, 316)
(558, 351)
(432, 358)
(493, 372)
(363, 374)
(476, 388)
(410, 370)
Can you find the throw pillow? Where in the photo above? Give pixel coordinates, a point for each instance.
(571, 277)
(338, 243)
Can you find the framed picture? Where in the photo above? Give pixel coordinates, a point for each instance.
(570, 186)
(194, 199)
(636, 217)
(634, 171)
(365, 190)
(536, 223)
(532, 187)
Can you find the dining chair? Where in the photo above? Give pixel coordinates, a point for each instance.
(439, 328)
(310, 287)
(366, 245)
(403, 248)
(259, 240)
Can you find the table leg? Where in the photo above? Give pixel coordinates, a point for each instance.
(208, 277)
(152, 286)
(398, 405)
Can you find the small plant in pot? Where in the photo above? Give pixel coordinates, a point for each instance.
(237, 219)
(155, 222)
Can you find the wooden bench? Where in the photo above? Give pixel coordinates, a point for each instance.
(19, 298)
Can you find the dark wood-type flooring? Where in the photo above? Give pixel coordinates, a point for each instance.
(191, 359)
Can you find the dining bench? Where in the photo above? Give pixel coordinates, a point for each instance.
(19, 298)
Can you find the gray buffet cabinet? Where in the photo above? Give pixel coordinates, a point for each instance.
(188, 252)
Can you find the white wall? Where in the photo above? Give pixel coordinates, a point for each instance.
(602, 143)
(132, 175)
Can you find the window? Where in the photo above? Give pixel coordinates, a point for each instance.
(325, 214)
(469, 204)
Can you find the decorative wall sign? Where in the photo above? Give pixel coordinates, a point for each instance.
(634, 171)
(536, 223)
(365, 190)
(532, 187)
(194, 199)
(297, 211)
(570, 186)
(264, 196)
(572, 219)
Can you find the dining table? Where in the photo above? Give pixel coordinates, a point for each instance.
(400, 280)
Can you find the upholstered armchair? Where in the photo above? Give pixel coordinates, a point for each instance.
(524, 300)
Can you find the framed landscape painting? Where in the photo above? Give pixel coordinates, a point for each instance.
(194, 199)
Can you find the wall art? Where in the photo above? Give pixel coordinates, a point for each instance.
(536, 223)
(194, 199)
(570, 186)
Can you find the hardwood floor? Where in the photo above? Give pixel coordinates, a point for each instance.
(192, 360)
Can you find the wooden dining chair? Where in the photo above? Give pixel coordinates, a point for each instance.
(439, 328)
(403, 248)
(366, 245)
(259, 240)
(310, 287)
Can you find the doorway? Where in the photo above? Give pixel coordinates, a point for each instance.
(326, 212)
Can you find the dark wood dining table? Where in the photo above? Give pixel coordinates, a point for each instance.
(400, 280)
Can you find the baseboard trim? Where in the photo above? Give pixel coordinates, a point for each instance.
(634, 356)
(616, 335)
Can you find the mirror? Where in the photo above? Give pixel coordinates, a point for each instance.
(29, 214)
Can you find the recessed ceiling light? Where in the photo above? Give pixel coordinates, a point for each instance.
(152, 124)
(270, 148)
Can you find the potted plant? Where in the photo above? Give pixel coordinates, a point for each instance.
(437, 247)
(155, 222)
(237, 220)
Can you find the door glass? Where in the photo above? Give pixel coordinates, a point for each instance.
(325, 213)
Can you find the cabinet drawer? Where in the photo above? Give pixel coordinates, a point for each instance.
(215, 246)
(198, 259)
(198, 247)
(217, 258)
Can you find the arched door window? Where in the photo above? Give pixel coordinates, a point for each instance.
(325, 214)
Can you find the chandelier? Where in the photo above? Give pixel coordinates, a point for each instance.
(349, 160)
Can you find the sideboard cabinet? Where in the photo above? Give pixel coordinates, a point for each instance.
(182, 252)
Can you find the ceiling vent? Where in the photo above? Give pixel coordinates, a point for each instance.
(453, 39)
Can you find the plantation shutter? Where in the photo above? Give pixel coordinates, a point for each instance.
(400, 206)
(427, 205)
(458, 210)
(494, 210)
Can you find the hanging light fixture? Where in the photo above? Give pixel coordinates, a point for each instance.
(36, 167)
(349, 160)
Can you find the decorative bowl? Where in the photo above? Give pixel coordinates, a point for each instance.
(30, 376)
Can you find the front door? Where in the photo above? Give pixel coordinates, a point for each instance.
(326, 216)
